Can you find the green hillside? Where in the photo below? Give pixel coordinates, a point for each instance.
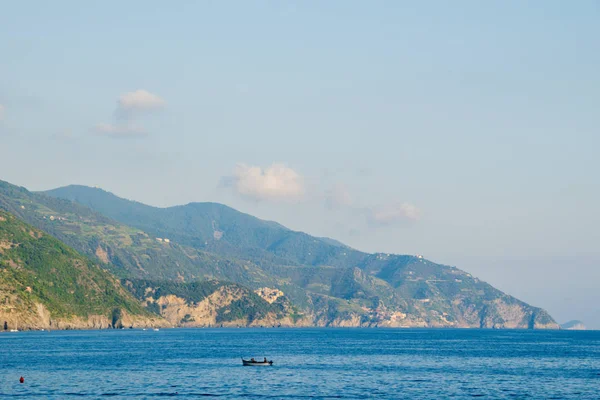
(45, 284)
(40, 275)
(327, 282)
(132, 253)
(336, 279)
(127, 251)
(216, 228)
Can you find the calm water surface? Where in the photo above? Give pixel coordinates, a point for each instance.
(309, 363)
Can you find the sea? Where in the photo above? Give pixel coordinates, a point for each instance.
(323, 363)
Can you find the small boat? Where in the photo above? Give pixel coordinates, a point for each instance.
(155, 329)
(254, 363)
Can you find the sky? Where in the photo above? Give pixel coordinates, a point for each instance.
(464, 131)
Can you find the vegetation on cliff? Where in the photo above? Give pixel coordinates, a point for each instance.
(331, 284)
(41, 276)
(202, 303)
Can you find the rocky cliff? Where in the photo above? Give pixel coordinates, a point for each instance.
(574, 325)
(46, 285)
(302, 280)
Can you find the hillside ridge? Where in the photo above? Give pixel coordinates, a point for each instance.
(47, 285)
(329, 284)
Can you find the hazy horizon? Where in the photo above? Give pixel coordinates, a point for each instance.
(467, 133)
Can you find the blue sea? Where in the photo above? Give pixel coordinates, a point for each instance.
(308, 364)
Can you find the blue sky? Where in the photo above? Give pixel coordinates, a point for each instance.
(464, 131)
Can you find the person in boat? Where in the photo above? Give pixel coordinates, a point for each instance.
(265, 360)
(252, 359)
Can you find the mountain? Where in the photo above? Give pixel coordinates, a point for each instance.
(341, 285)
(45, 284)
(127, 251)
(215, 228)
(574, 325)
(212, 303)
(325, 282)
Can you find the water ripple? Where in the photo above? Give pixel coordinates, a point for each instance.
(309, 364)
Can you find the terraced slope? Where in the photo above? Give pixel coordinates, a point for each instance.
(329, 284)
(46, 284)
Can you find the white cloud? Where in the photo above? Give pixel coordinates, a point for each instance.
(338, 197)
(131, 107)
(137, 102)
(396, 212)
(276, 182)
(119, 131)
(1, 112)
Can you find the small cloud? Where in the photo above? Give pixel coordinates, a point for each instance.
(119, 131)
(397, 212)
(2, 108)
(131, 107)
(338, 197)
(138, 102)
(275, 183)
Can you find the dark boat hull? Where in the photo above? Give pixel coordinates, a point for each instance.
(249, 363)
